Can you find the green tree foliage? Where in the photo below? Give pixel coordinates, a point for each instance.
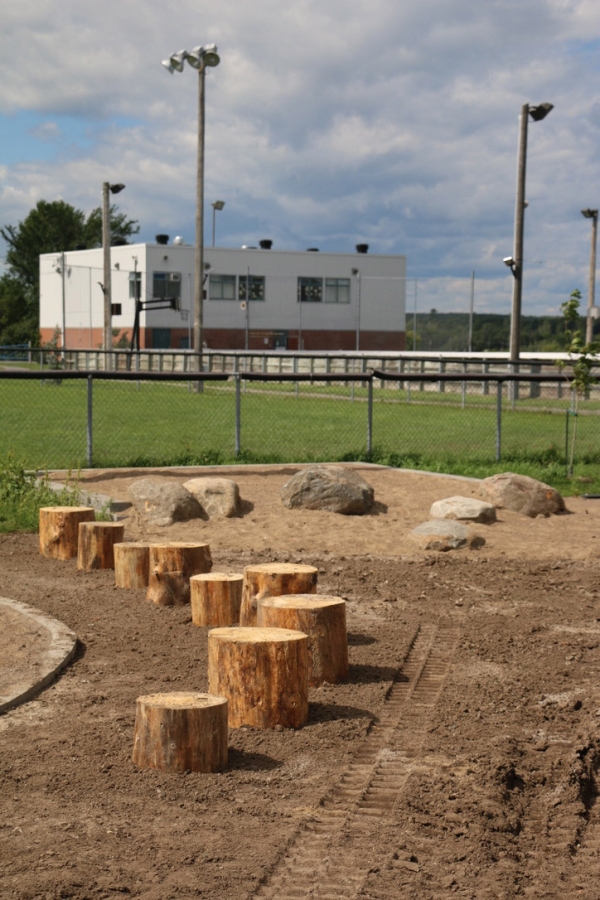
(438, 331)
(48, 228)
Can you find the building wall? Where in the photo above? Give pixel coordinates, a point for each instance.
(376, 308)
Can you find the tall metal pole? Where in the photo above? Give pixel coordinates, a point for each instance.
(107, 339)
(589, 329)
(199, 261)
(214, 224)
(415, 319)
(358, 276)
(515, 320)
(471, 307)
(64, 303)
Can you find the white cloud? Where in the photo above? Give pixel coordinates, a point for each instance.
(327, 122)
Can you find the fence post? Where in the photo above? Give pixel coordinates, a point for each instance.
(238, 414)
(370, 414)
(90, 381)
(498, 419)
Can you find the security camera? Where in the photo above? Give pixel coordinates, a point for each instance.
(508, 261)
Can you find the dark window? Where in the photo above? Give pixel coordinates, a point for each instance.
(310, 290)
(257, 286)
(166, 286)
(337, 290)
(115, 309)
(133, 277)
(221, 287)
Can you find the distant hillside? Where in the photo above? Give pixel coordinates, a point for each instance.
(450, 331)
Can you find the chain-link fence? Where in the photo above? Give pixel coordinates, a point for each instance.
(70, 419)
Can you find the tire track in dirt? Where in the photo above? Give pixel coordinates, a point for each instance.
(332, 854)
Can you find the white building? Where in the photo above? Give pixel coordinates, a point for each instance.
(298, 300)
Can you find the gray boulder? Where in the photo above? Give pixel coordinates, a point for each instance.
(332, 488)
(163, 502)
(522, 494)
(217, 496)
(444, 534)
(463, 508)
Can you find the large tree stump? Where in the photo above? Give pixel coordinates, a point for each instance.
(216, 599)
(273, 580)
(181, 732)
(96, 542)
(132, 564)
(171, 567)
(263, 672)
(323, 620)
(59, 529)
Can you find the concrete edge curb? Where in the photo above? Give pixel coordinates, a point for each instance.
(56, 658)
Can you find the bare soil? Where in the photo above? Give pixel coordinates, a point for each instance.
(459, 760)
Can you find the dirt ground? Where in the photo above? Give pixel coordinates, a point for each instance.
(459, 760)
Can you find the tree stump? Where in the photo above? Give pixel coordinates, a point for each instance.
(132, 564)
(181, 732)
(323, 620)
(216, 599)
(171, 567)
(59, 529)
(96, 542)
(273, 580)
(263, 672)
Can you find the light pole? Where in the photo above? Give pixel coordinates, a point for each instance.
(589, 326)
(107, 189)
(515, 261)
(217, 205)
(199, 58)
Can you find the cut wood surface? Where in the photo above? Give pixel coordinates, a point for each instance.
(273, 580)
(216, 598)
(96, 543)
(171, 567)
(181, 732)
(323, 619)
(132, 564)
(59, 529)
(263, 672)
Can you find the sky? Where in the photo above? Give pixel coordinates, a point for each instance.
(328, 123)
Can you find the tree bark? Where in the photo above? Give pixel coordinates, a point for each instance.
(263, 673)
(216, 599)
(171, 567)
(59, 529)
(323, 620)
(132, 564)
(96, 542)
(273, 580)
(181, 732)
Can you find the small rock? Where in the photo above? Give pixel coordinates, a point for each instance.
(463, 508)
(444, 534)
(332, 488)
(217, 496)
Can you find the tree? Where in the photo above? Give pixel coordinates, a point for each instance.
(582, 360)
(48, 228)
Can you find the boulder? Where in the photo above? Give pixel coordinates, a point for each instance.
(522, 494)
(463, 508)
(444, 534)
(216, 496)
(163, 502)
(332, 488)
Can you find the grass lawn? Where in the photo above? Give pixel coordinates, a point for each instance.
(152, 423)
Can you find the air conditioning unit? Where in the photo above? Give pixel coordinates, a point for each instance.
(174, 276)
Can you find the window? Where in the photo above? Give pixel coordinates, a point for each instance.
(166, 286)
(337, 290)
(221, 287)
(116, 309)
(310, 290)
(257, 287)
(133, 278)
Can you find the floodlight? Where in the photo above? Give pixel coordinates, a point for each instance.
(211, 57)
(218, 204)
(540, 112)
(589, 213)
(116, 188)
(175, 61)
(508, 261)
